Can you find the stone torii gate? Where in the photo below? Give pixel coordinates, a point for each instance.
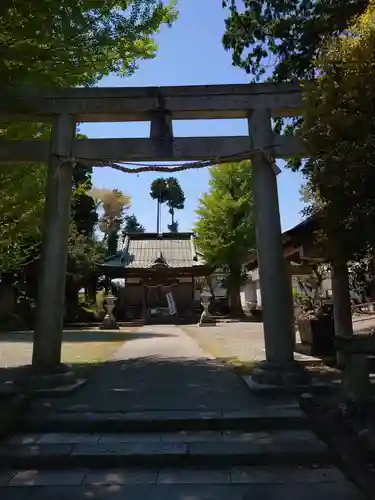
(257, 103)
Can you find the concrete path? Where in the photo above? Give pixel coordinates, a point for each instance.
(160, 368)
(163, 342)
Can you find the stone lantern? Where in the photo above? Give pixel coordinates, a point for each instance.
(206, 318)
(109, 322)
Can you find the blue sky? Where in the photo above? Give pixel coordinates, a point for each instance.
(190, 53)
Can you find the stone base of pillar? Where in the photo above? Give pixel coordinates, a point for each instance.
(285, 375)
(206, 319)
(109, 324)
(37, 379)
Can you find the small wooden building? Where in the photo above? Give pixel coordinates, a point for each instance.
(301, 252)
(161, 275)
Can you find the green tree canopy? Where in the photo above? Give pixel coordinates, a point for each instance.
(339, 130)
(76, 42)
(175, 201)
(56, 43)
(225, 227)
(284, 36)
(132, 225)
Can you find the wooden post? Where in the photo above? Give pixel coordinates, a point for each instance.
(52, 274)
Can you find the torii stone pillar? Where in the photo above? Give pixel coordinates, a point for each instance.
(52, 274)
(276, 288)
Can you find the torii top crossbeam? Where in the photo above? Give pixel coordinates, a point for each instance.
(128, 104)
(137, 103)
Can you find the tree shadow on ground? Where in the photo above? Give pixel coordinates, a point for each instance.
(84, 335)
(155, 384)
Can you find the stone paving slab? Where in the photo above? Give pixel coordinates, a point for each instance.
(328, 491)
(112, 440)
(191, 436)
(131, 449)
(131, 475)
(123, 476)
(35, 450)
(260, 415)
(194, 476)
(139, 437)
(163, 369)
(24, 439)
(5, 477)
(218, 448)
(47, 478)
(67, 438)
(286, 475)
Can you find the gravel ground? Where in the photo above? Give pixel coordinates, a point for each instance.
(244, 342)
(79, 346)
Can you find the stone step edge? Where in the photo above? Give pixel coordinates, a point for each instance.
(170, 460)
(108, 423)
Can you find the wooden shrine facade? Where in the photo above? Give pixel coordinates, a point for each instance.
(161, 273)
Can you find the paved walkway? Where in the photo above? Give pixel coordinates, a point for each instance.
(160, 368)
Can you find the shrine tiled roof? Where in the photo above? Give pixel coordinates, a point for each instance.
(145, 250)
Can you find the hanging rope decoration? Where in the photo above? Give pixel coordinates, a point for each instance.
(160, 286)
(137, 168)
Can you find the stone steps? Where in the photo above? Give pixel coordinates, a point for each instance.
(240, 483)
(181, 449)
(265, 417)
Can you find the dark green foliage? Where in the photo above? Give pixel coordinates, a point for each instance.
(132, 225)
(225, 228)
(84, 212)
(284, 35)
(170, 192)
(339, 131)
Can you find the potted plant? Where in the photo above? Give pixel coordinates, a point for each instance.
(314, 316)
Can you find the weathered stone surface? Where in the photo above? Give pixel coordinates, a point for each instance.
(47, 478)
(227, 449)
(135, 437)
(172, 415)
(68, 438)
(123, 476)
(5, 477)
(259, 437)
(24, 439)
(194, 476)
(295, 441)
(191, 436)
(328, 491)
(286, 475)
(35, 450)
(128, 449)
(267, 411)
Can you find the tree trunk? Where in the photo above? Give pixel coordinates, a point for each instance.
(158, 216)
(342, 313)
(235, 305)
(90, 289)
(372, 286)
